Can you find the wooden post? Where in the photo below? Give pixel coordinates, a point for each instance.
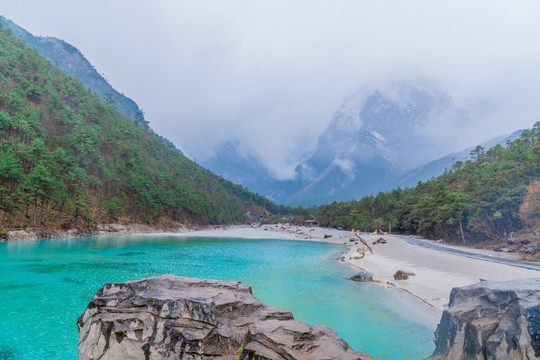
(461, 230)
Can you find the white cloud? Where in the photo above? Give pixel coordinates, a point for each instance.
(347, 166)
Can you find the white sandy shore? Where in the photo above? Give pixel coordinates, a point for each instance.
(436, 272)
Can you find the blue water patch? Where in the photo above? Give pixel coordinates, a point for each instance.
(46, 285)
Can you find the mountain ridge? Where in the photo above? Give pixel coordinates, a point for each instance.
(71, 60)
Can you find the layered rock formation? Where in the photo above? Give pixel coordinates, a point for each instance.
(491, 320)
(171, 317)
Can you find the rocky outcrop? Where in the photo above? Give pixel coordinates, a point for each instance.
(363, 275)
(403, 274)
(491, 320)
(21, 235)
(30, 234)
(171, 317)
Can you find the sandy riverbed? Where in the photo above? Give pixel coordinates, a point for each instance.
(436, 272)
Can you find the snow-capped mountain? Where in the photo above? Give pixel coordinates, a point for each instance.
(373, 138)
(377, 140)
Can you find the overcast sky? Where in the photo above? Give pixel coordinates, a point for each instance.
(272, 73)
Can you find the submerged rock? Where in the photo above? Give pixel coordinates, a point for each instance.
(491, 320)
(171, 317)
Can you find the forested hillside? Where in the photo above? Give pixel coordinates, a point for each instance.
(68, 158)
(492, 194)
(70, 60)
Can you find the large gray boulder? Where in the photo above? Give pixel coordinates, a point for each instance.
(171, 317)
(491, 320)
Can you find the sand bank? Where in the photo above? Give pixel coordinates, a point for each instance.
(285, 232)
(436, 272)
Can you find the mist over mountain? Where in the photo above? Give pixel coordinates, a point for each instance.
(376, 140)
(240, 167)
(206, 75)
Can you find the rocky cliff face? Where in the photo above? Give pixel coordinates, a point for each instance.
(170, 317)
(491, 320)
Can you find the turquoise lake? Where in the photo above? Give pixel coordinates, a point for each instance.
(45, 286)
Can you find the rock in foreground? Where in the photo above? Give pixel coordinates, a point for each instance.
(171, 317)
(491, 320)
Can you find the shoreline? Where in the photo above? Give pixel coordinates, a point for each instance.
(436, 272)
(39, 233)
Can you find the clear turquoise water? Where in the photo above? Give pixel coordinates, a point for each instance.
(46, 285)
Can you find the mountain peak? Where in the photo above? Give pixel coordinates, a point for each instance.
(379, 133)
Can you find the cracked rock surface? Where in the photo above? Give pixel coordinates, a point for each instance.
(172, 317)
(491, 320)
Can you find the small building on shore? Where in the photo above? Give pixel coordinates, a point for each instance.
(311, 223)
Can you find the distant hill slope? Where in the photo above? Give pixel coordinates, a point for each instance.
(70, 60)
(438, 167)
(69, 158)
(240, 168)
